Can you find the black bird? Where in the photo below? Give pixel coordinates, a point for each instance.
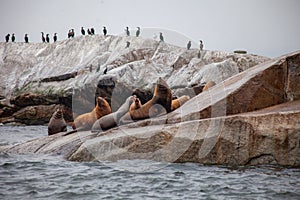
(55, 37)
(26, 38)
(47, 38)
(127, 44)
(13, 38)
(73, 33)
(82, 31)
(105, 71)
(188, 46)
(92, 31)
(127, 31)
(7, 37)
(201, 45)
(138, 32)
(161, 37)
(89, 32)
(104, 31)
(43, 38)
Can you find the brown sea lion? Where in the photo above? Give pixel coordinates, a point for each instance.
(57, 123)
(176, 103)
(160, 103)
(111, 120)
(86, 121)
(136, 104)
(208, 85)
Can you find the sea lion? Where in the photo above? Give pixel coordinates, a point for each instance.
(86, 121)
(57, 123)
(159, 104)
(136, 104)
(176, 103)
(111, 120)
(208, 85)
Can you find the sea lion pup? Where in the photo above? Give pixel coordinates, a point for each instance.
(111, 120)
(208, 85)
(159, 104)
(57, 123)
(176, 103)
(86, 121)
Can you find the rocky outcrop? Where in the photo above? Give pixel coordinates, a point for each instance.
(250, 118)
(71, 72)
(245, 139)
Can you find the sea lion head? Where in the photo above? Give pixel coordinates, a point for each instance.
(136, 104)
(101, 101)
(102, 107)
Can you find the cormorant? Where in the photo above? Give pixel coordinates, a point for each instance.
(127, 31)
(26, 38)
(82, 31)
(55, 37)
(7, 37)
(13, 38)
(43, 38)
(188, 46)
(161, 37)
(47, 38)
(127, 44)
(104, 31)
(73, 33)
(138, 32)
(201, 45)
(92, 31)
(105, 71)
(89, 32)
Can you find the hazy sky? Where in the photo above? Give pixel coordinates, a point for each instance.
(264, 27)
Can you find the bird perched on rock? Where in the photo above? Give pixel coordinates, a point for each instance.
(201, 45)
(7, 37)
(26, 38)
(43, 38)
(161, 37)
(13, 38)
(104, 31)
(89, 32)
(71, 33)
(47, 38)
(92, 31)
(188, 46)
(127, 44)
(55, 37)
(127, 31)
(82, 31)
(138, 32)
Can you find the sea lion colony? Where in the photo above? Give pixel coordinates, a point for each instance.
(101, 117)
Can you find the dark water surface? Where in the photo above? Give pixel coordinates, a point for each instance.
(52, 177)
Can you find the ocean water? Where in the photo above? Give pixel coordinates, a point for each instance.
(52, 177)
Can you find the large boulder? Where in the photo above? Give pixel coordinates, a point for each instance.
(244, 139)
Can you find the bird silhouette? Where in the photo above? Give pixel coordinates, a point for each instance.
(138, 32)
